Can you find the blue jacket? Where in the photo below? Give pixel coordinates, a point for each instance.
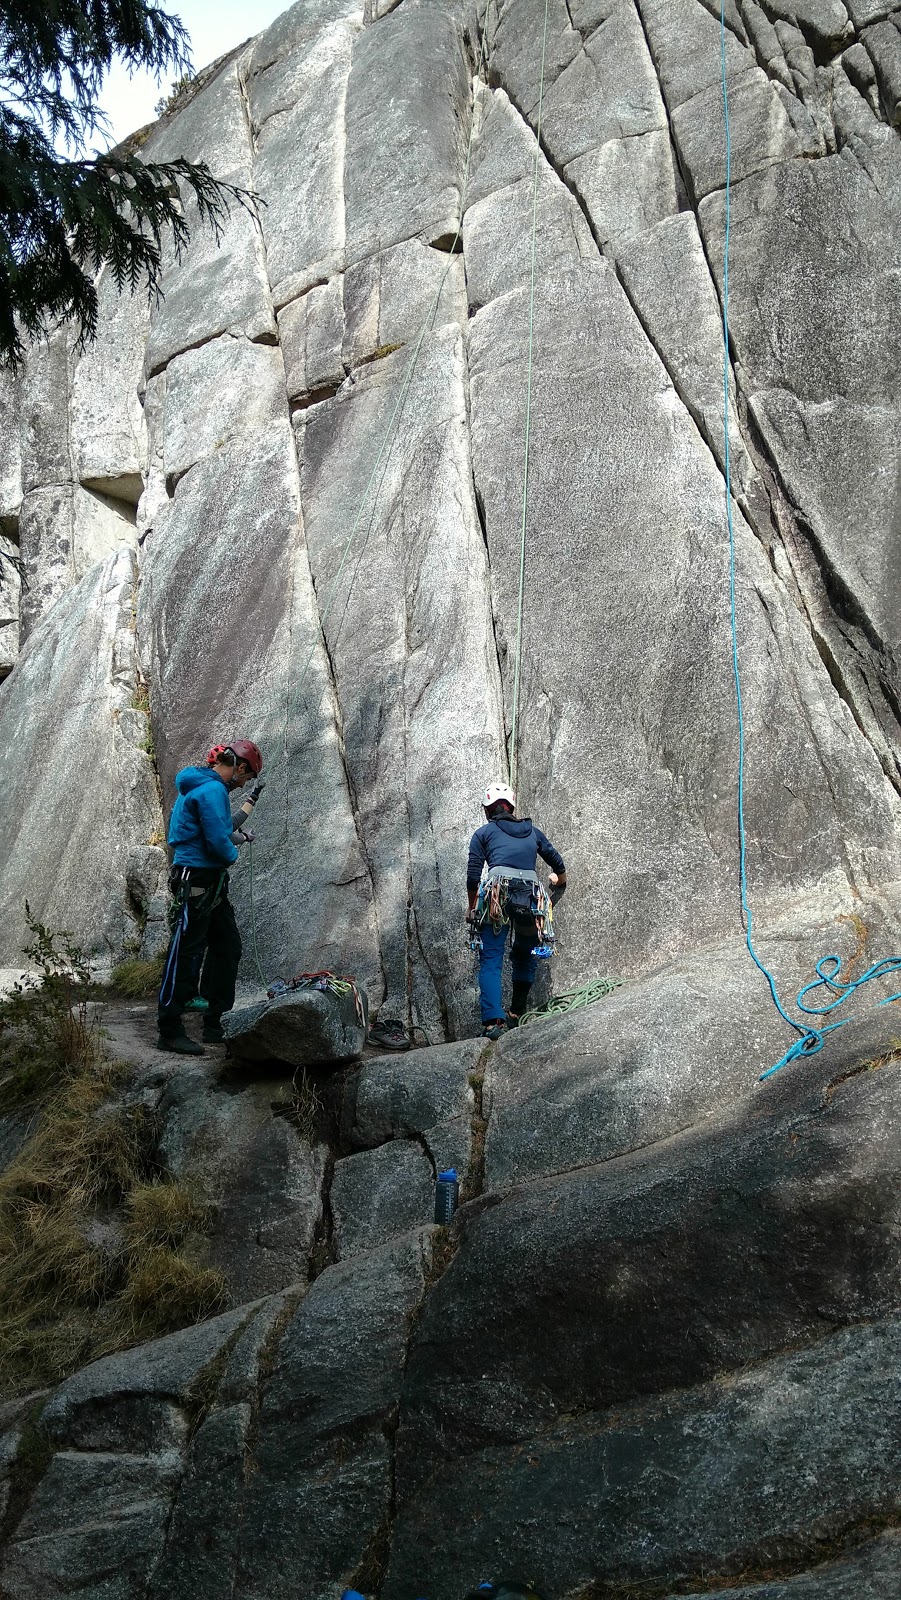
(509, 842)
(201, 824)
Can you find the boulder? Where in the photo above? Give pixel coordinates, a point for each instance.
(749, 1472)
(659, 1055)
(319, 1497)
(108, 441)
(388, 297)
(626, 185)
(305, 1027)
(420, 1092)
(627, 1273)
(243, 1153)
(10, 454)
(311, 330)
(870, 1572)
(380, 1193)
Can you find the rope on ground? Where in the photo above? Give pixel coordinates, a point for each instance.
(514, 718)
(811, 1038)
(571, 1000)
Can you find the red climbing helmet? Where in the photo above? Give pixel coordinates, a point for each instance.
(242, 750)
(246, 750)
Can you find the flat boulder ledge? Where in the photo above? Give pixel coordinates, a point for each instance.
(304, 1028)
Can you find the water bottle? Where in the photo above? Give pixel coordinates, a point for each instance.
(447, 1194)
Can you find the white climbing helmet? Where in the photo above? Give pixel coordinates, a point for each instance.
(498, 791)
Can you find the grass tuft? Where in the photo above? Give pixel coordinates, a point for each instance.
(135, 979)
(163, 1214)
(164, 1290)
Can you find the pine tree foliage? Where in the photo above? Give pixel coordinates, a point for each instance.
(62, 219)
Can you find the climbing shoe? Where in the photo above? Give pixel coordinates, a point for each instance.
(179, 1044)
(388, 1035)
(494, 1028)
(211, 1033)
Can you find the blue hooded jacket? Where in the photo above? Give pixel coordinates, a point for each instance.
(201, 824)
(509, 842)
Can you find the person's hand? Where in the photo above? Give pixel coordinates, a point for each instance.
(247, 835)
(253, 794)
(471, 915)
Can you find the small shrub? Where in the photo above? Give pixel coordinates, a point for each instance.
(46, 1033)
(178, 92)
(135, 979)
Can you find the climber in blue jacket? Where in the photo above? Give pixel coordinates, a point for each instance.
(508, 848)
(205, 946)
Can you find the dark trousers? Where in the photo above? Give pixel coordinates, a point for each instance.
(204, 951)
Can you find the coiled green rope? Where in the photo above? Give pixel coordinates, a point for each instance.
(572, 1000)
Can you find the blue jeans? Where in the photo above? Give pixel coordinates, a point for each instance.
(491, 962)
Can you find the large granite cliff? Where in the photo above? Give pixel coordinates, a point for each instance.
(659, 1352)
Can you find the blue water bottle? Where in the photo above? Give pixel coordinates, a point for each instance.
(447, 1194)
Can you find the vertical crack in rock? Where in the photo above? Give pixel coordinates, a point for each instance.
(323, 1252)
(474, 1182)
(201, 1401)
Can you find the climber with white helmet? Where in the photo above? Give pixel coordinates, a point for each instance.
(506, 848)
(205, 948)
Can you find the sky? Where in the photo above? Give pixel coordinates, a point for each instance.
(214, 25)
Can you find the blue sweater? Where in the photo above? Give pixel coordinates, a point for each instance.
(201, 824)
(509, 842)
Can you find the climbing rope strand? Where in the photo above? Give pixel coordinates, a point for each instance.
(514, 718)
(811, 1038)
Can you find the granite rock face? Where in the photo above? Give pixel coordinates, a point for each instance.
(658, 1349)
(317, 439)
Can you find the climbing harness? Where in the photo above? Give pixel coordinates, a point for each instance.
(519, 899)
(828, 968)
(326, 982)
(571, 1000)
(182, 893)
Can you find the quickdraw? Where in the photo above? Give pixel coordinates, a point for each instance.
(327, 982)
(496, 906)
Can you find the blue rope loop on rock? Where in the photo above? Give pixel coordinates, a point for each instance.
(811, 1038)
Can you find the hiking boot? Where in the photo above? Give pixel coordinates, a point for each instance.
(388, 1035)
(494, 1027)
(179, 1044)
(211, 1032)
